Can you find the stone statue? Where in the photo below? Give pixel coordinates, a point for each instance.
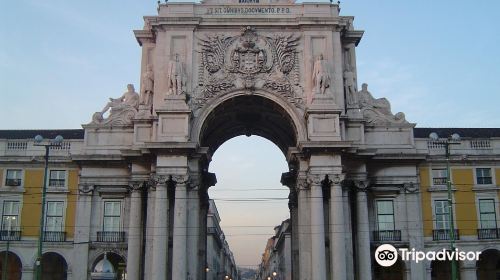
(176, 77)
(123, 109)
(147, 86)
(130, 99)
(377, 110)
(321, 75)
(350, 87)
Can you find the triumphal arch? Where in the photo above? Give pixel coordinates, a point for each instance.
(285, 71)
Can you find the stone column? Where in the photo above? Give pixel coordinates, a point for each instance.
(348, 234)
(318, 254)
(134, 232)
(363, 236)
(414, 227)
(179, 254)
(304, 235)
(337, 231)
(82, 232)
(160, 233)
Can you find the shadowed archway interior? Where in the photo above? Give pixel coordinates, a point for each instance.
(248, 115)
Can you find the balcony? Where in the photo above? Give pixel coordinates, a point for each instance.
(57, 183)
(111, 236)
(10, 235)
(443, 234)
(439, 181)
(54, 236)
(387, 235)
(488, 233)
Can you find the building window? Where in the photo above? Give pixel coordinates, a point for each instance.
(57, 178)
(441, 211)
(112, 216)
(385, 215)
(13, 177)
(54, 216)
(483, 176)
(439, 176)
(487, 214)
(10, 216)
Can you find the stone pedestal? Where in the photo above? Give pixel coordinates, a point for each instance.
(173, 119)
(323, 119)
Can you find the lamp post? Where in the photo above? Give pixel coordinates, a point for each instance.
(452, 140)
(51, 143)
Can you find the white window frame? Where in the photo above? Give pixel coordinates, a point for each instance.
(51, 187)
(4, 183)
(492, 172)
(432, 176)
(442, 196)
(122, 212)
(63, 222)
(489, 195)
(18, 225)
(393, 213)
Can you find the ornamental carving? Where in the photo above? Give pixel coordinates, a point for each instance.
(248, 61)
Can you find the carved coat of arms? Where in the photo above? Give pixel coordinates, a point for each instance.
(249, 61)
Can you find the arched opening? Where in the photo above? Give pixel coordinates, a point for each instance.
(13, 263)
(118, 262)
(488, 265)
(248, 173)
(441, 270)
(54, 267)
(393, 272)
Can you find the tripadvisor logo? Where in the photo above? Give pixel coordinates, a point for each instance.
(387, 255)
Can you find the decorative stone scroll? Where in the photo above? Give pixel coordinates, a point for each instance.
(377, 111)
(248, 62)
(122, 109)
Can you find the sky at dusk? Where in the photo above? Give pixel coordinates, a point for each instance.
(436, 61)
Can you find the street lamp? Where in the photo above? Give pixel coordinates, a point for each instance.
(56, 142)
(454, 139)
(6, 258)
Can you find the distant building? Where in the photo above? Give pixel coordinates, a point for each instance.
(277, 257)
(220, 259)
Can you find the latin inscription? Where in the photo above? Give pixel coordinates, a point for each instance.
(250, 10)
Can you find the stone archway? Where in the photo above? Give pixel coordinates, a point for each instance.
(488, 265)
(441, 270)
(118, 262)
(14, 265)
(54, 267)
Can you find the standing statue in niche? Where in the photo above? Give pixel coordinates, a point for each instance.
(350, 87)
(176, 77)
(321, 75)
(147, 86)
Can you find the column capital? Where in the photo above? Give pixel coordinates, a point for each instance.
(361, 185)
(84, 189)
(137, 186)
(411, 187)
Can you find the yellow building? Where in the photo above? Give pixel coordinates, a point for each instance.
(475, 170)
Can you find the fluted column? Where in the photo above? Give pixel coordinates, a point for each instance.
(160, 233)
(82, 231)
(337, 231)
(363, 236)
(134, 232)
(318, 254)
(179, 254)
